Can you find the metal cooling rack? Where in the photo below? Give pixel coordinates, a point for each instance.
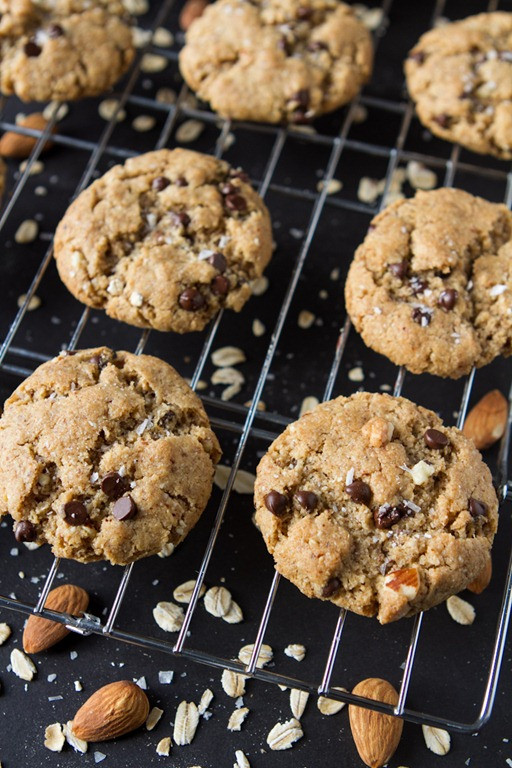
(272, 423)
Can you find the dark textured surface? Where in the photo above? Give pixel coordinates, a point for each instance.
(451, 667)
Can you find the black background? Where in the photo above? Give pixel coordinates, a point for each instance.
(452, 661)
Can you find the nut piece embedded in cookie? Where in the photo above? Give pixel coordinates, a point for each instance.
(105, 455)
(381, 538)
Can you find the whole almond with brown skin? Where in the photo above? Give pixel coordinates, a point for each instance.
(15, 145)
(482, 580)
(191, 11)
(40, 634)
(376, 736)
(111, 711)
(486, 422)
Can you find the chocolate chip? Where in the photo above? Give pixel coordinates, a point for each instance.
(235, 203)
(219, 286)
(421, 316)
(75, 513)
(331, 587)
(317, 45)
(32, 49)
(113, 485)
(435, 439)
(447, 299)
(160, 183)
(477, 508)
(417, 285)
(181, 182)
(306, 499)
(180, 218)
(283, 45)
(125, 508)
(360, 492)
(54, 30)
(191, 300)
(218, 261)
(417, 56)
(228, 189)
(237, 173)
(387, 515)
(276, 503)
(442, 120)
(399, 268)
(25, 531)
(301, 97)
(304, 13)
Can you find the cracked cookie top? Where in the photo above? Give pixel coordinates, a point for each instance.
(105, 456)
(62, 49)
(431, 285)
(276, 60)
(165, 240)
(371, 503)
(460, 76)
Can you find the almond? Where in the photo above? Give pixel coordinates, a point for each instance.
(406, 582)
(482, 580)
(40, 634)
(191, 11)
(111, 711)
(486, 422)
(13, 144)
(376, 736)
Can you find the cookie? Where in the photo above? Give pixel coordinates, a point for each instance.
(371, 503)
(105, 456)
(165, 241)
(431, 285)
(62, 49)
(276, 60)
(460, 77)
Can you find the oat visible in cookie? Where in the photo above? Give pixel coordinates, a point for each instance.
(165, 240)
(396, 547)
(105, 455)
(460, 76)
(431, 285)
(278, 60)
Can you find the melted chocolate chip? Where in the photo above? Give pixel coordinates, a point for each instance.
(125, 508)
(191, 300)
(180, 218)
(113, 485)
(435, 439)
(181, 182)
(387, 515)
(75, 513)
(276, 503)
(399, 268)
(360, 492)
(448, 299)
(417, 285)
(443, 120)
(304, 13)
(54, 30)
(218, 261)
(306, 499)
(331, 587)
(160, 183)
(219, 286)
(228, 189)
(421, 316)
(32, 49)
(317, 45)
(235, 203)
(417, 56)
(25, 531)
(301, 97)
(284, 46)
(477, 508)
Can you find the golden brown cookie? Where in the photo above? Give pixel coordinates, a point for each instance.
(431, 285)
(105, 456)
(165, 240)
(460, 77)
(276, 60)
(371, 503)
(62, 49)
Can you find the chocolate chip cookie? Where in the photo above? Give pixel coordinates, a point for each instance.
(460, 76)
(371, 503)
(431, 285)
(105, 456)
(62, 49)
(276, 60)
(165, 240)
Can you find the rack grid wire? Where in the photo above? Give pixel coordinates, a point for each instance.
(271, 422)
